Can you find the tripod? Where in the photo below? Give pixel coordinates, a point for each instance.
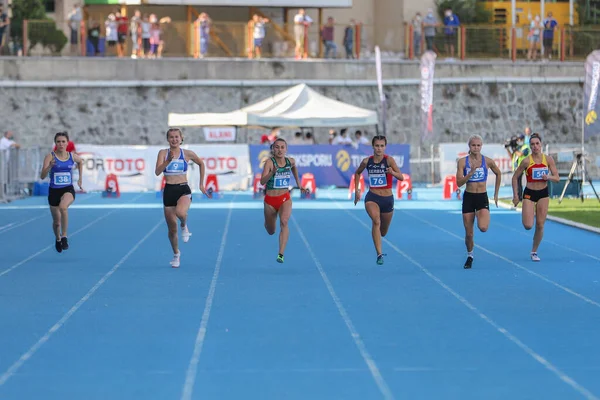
(578, 168)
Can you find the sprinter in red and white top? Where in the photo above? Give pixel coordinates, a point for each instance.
(535, 195)
(379, 201)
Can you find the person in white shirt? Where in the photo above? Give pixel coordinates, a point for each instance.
(360, 139)
(111, 30)
(343, 138)
(7, 141)
(258, 33)
(301, 21)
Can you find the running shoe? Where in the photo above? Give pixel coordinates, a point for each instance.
(534, 257)
(58, 245)
(468, 263)
(176, 260)
(185, 234)
(280, 258)
(380, 259)
(64, 243)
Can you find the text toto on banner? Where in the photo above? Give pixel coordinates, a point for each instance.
(134, 166)
(331, 165)
(451, 152)
(220, 134)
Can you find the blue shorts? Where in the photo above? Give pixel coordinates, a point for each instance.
(258, 42)
(385, 203)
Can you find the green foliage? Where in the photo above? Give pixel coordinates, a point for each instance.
(45, 33)
(468, 11)
(22, 10)
(41, 29)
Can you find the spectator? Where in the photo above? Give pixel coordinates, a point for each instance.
(534, 37)
(258, 33)
(7, 142)
(135, 26)
(270, 139)
(122, 32)
(429, 24)
(146, 27)
(550, 26)
(94, 36)
(417, 23)
(204, 24)
(451, 22)
(75, 17)
(343, 139)
(4, 21)
(349, 39)
(332, 135)
(112, 35)
(360, 139)
(298, 139)
(309, 139)
(327, 35)
(301, 23)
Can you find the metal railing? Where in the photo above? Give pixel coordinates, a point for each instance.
(19, 170)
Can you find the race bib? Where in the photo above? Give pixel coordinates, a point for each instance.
(175, 166)
(478, 175)
(538, 173)
(281, 180)
(62, 178)
(377, 180)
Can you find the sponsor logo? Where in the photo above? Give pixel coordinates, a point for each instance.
(343, 160)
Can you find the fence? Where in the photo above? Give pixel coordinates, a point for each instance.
(19, 169)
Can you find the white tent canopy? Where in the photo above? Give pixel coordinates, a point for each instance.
(299, 106)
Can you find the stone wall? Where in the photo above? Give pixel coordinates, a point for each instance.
(139, 115)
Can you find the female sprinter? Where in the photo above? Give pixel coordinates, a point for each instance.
(535, 195)
(61, 194)
(177, 195)
(473, 170)
(277, 176)
(379, 200)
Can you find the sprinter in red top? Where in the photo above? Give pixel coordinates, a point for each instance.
(379, 201)
(535, 195)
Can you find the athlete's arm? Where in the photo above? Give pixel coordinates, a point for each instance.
(268, 172)
(461, 178)
(79, 162)
(295, 172)
(492, 165)
(515, 179)
(49, 162)
(357, 174)
(161, 163)
(194, 157)
(394, 169)
(553, 177)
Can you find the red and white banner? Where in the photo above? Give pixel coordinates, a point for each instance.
(134, 166)
(451, 152)
(220, 134)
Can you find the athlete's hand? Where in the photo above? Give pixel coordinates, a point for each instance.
(169, 155)
(305, 190)
(203, 190)
(474, 164)
(79, 184)
(496, 200)
(516, 200)
(356, 198)
(545, 177)
(52, 162)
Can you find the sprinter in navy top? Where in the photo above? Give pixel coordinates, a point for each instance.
(59, 165)
(472, 170)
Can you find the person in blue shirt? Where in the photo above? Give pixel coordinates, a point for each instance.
(472, 170)
(550, 25)
(451, 24)
(59, 165)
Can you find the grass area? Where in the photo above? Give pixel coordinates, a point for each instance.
(586, 212)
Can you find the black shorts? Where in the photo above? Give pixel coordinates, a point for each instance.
(172, 193)
(548, 42)
(385, 203)
(473, 202)
(535, 195)
(55, 194)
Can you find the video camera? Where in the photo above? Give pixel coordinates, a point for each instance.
(512, 143)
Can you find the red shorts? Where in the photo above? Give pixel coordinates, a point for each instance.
(277, 201)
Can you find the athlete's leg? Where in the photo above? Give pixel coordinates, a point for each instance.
(386, 219)
(469, 222)
(483, 219)
(171, 218)
(66, 200)
(285, 212)
(527, 213)
(270, 219)
(540, 220)
(181, 211)
(373, 211)
(55, 211)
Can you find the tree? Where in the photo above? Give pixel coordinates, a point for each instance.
(44, 31)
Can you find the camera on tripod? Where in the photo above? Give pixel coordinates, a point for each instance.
(512, 143)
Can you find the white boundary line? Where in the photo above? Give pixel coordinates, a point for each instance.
(27, 355)
(542, 277)
(190, 376)
(547, 364)
(6, 271)
(381, 384)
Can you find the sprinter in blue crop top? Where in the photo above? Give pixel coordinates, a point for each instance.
(472, 170)
(177, 195)
(59, 165)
